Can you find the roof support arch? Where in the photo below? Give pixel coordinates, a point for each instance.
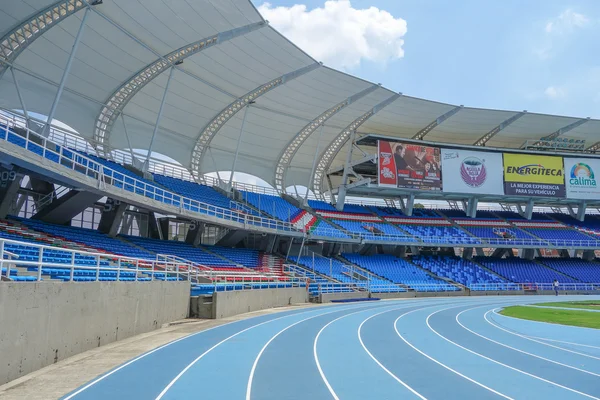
(336, 144)
(116, 102)
(485, 138)
(211, 129)
(286, 156)
(421, 134)
(34, 26)
(563, 130)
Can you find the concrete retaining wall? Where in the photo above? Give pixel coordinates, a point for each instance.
(42, 323)
(227, 304)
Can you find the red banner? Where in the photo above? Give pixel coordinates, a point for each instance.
(410, 166)
(387, 164)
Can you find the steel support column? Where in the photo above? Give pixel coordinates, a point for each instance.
(127, 138)
(339, 205)
(158, 118)
(314, 164)
(66, 72)
(581, 209)
(18, 87)
(237, 147)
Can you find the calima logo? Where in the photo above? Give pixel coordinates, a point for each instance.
(533, 169)
(582, 175)
(473, 172)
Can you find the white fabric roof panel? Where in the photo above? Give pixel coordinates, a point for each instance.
(405, 117)
(589, 131)
(18, 11)
(166, 26)
(468, 125)
(208, 81)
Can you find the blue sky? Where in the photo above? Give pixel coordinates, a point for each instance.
(538, 55)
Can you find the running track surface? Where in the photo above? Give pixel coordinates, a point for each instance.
(437, 348)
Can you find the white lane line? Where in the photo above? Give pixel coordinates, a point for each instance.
(515, 349)
(502, 364)
(562, 341)
(166, 389)
(92, 383)
(262, 350)
(444, 365)
(533, 340)
(378, 362)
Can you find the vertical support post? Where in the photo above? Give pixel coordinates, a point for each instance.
(314, 164)
(301, 248)
(339, 205)
(472, 207)
(40, 263)
(581, 211)
(158, 118)
(237, 147)
(529, 209)
(72, 272)
(410, 202)
(287, 256)
(66, 72)
(127, 137)
(18, 87)
(2, 261)
(215, 165)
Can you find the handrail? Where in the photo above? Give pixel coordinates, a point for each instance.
(105, 175)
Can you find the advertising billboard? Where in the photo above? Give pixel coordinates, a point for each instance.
(533, 175)
(409, 166)
(580, 178)
(475, 172)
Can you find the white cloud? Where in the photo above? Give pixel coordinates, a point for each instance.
(553, 92)
(338, 34)
(566, 22)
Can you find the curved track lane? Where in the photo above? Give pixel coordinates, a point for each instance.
(437, 348)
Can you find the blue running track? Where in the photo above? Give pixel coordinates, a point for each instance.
(436, 348)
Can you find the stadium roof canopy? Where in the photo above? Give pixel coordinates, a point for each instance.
(221, 66)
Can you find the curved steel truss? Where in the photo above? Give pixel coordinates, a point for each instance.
(212, 128)
(485, 138)
(118, 100)
(34, 26)
(336, 145)
(292, 147)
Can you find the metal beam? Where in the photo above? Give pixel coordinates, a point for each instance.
(565, 129)
(593, 148)
(13, 43)
(20, 95)
(116, 102)
(215, 124)
(421, 134)
(158, 118)
(66, 72)
(237, 147)
(485, 138)
(340, 140)
(286, 156)
(314, 164)
(367, 158)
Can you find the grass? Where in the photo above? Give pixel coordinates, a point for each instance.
(587, 304)
(574, 317)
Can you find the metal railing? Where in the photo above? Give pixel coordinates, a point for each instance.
(107, 176)
(44, 260)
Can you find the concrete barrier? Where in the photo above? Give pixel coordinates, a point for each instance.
(42, 323)
(227, 304)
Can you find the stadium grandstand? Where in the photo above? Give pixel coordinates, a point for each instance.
(371, 193)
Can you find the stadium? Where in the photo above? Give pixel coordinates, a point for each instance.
(378, 262)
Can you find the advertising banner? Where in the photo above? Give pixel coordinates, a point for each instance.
(386, 175)
(533, 175)
(475, 172)
(412, 166)
(580, 178)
